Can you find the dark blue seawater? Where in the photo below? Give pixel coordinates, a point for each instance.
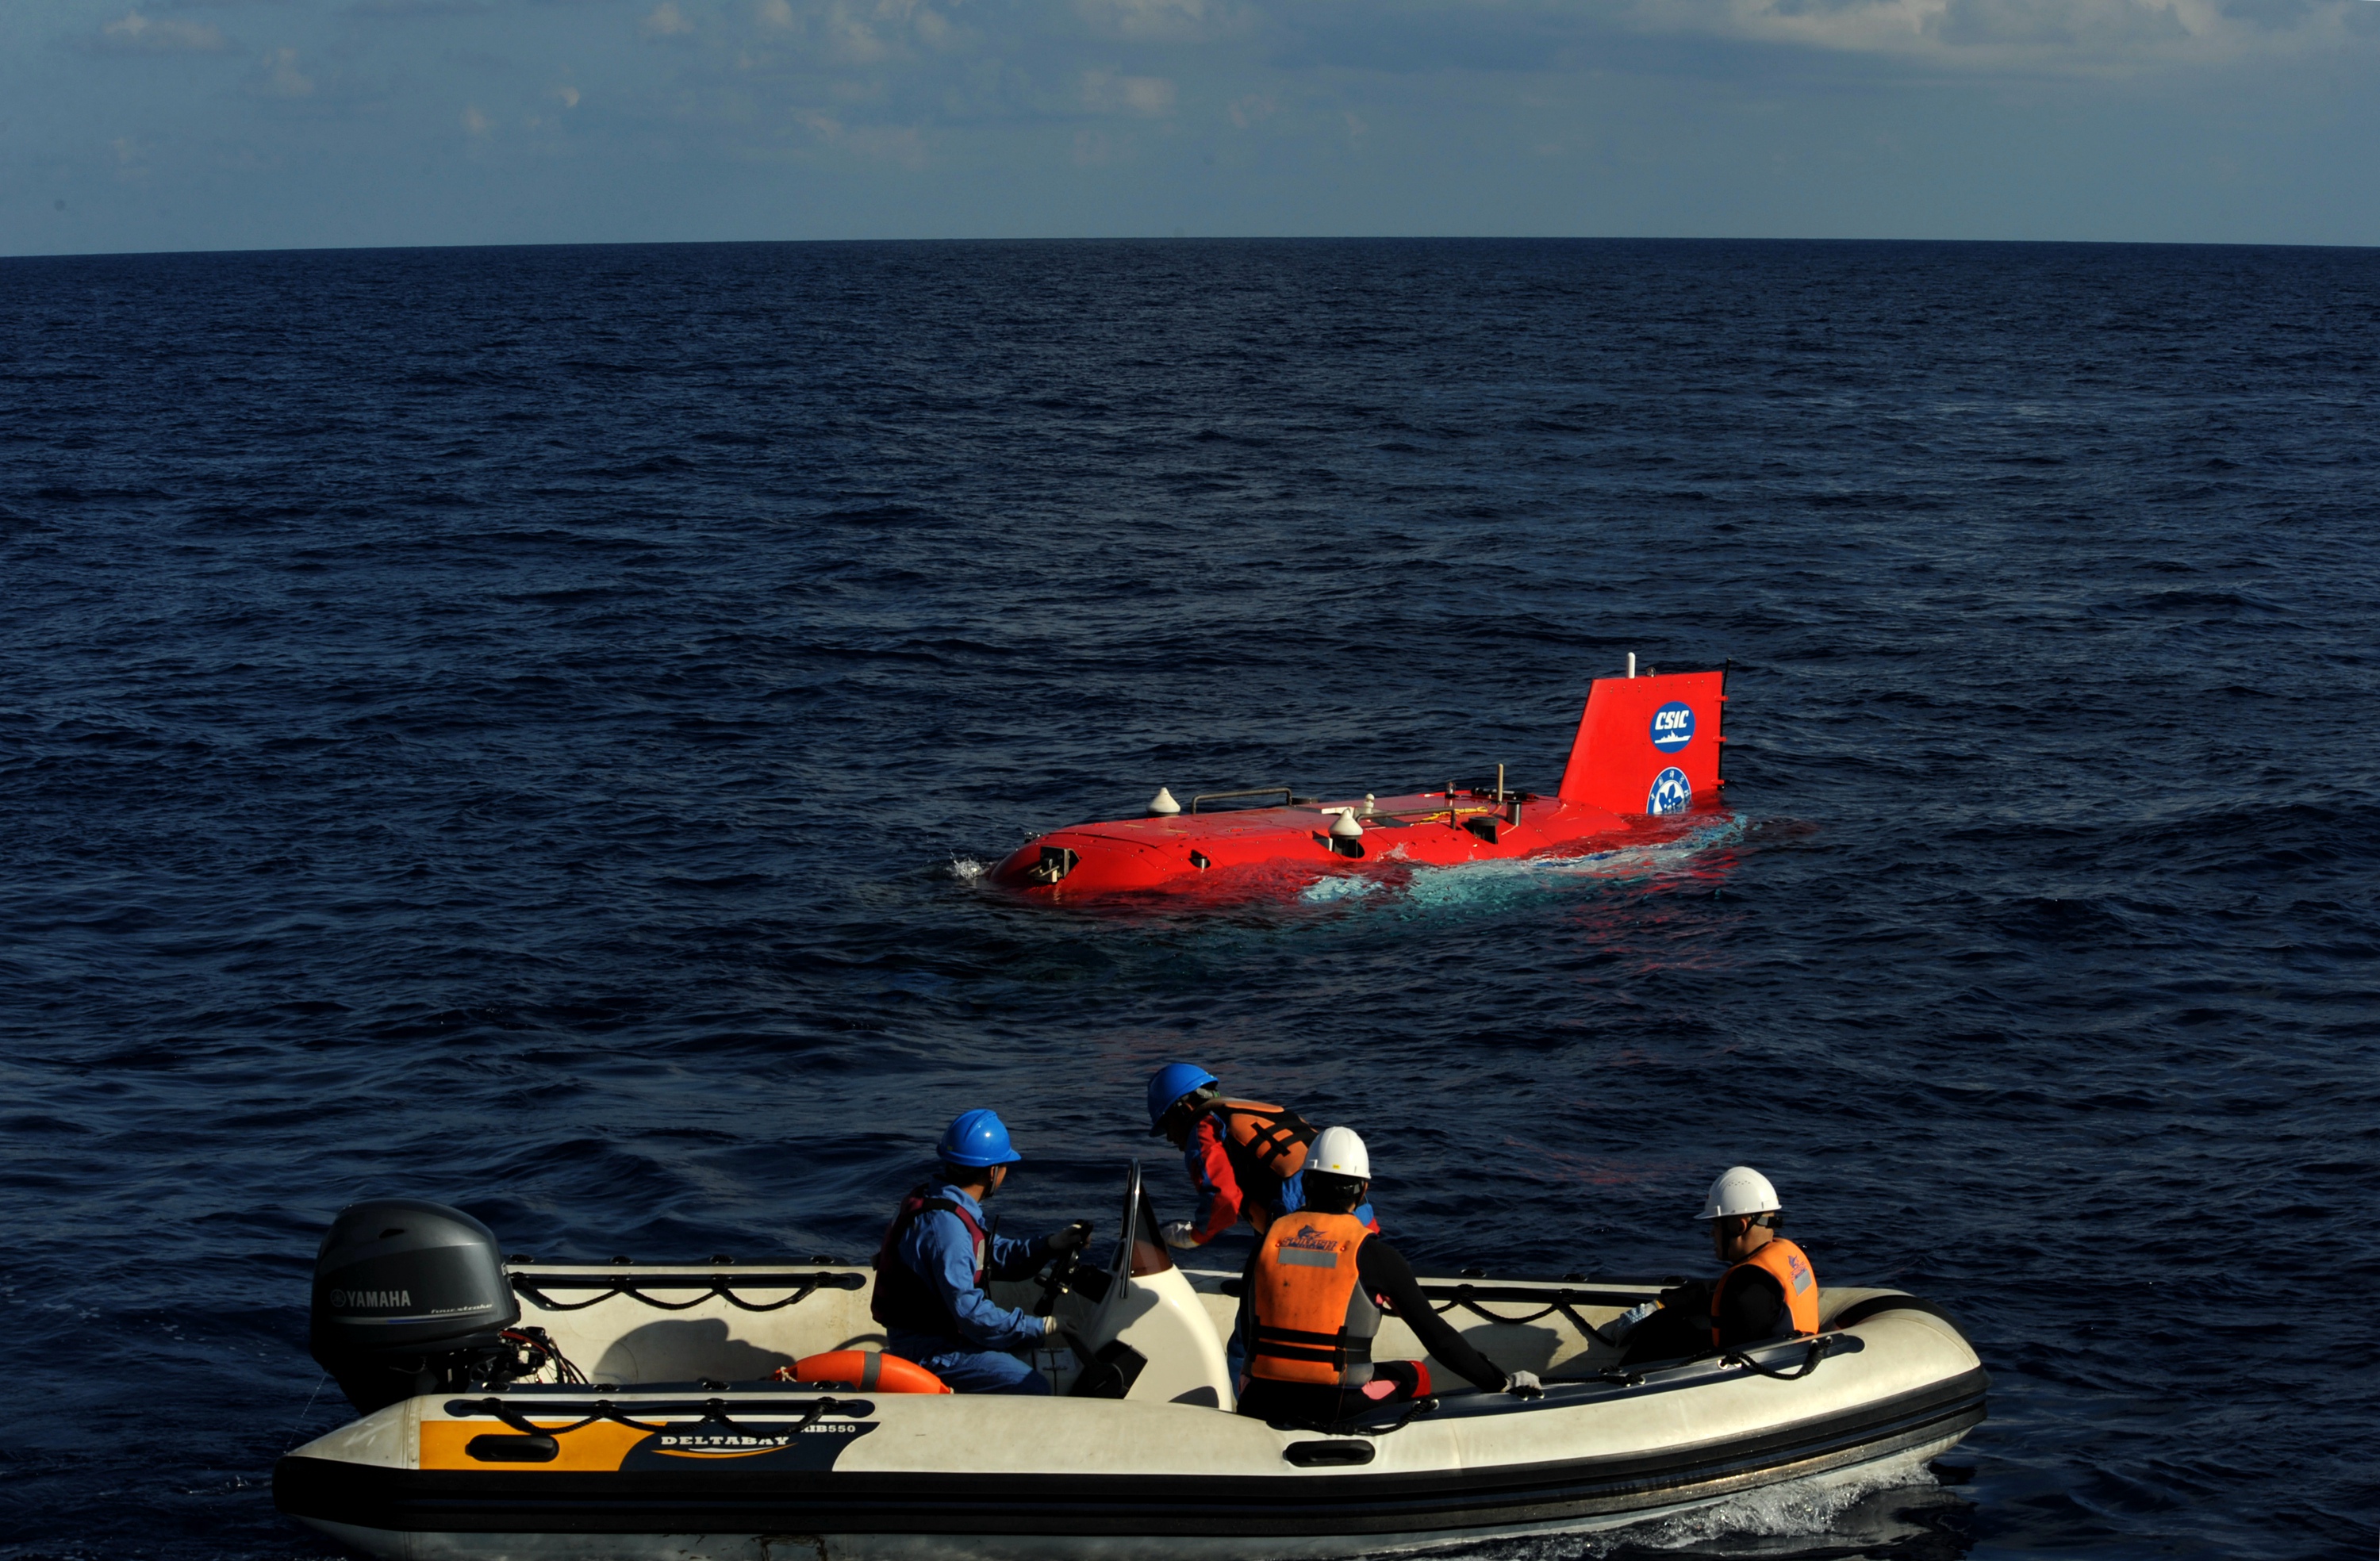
(518, 726)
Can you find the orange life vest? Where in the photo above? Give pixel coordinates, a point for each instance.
(1314, 1322)
(1266, 1144)
(1786, 1264)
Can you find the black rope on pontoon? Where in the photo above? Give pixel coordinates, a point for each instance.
(1819, 1345)
(545, 1302)
(1633, 1377)
(1418, 1407)
(1562, 1301)
(712, 1410)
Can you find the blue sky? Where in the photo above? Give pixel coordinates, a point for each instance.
(186, 123)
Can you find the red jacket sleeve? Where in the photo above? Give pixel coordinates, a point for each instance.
(1219, 1185)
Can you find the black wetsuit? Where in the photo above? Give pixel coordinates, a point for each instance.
(1389, 1279)
(1755, 1310)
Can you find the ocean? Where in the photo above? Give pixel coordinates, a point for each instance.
(525, 726)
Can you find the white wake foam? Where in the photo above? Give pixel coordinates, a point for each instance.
(1475, 883)
(1749, 1525)
(1794, 1508)
(1323, 892)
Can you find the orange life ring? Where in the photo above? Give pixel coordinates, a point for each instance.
(867, 1370)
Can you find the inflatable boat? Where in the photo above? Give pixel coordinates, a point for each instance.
(1647, 752)
(738, 1411)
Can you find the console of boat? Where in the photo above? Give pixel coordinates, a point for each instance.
(739, 1411)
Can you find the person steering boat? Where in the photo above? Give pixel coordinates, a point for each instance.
(936, 1255)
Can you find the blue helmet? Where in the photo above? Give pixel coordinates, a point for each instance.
(977, 1138)
(1169, 1084)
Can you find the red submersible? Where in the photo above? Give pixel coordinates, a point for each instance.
(1647, 751)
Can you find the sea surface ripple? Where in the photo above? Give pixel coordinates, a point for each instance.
(519, 727)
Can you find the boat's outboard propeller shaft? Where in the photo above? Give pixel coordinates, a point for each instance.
(408, 1296)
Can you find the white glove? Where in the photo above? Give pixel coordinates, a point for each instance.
(1633, 1315)
(1180, 1233)
(1049, 1328)
(1523, 1385)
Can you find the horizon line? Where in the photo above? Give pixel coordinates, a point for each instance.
(1180, 237)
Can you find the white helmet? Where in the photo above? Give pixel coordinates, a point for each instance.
(1741, 1190)
(1340, 1153)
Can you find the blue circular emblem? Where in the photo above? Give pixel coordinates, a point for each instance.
(1673, 793)
(1673, 726)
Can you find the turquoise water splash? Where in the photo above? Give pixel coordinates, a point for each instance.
(1493, 886)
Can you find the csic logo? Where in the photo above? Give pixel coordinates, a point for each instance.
(1673, 793)
(1673, 726)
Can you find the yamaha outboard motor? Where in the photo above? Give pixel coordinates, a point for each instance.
(409, 1297)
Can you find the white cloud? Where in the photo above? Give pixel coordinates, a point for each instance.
(2061, 35)
(566, 96)
(277, 76)
(666, 21)
(864, 31)
(160, 35)
(1172, 21)
(131, 166)
(903, 144)
(853, 33)
(1099, 149)
(401, 9)
(1106, 92)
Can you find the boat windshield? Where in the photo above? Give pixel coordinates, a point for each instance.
(1141, 1251)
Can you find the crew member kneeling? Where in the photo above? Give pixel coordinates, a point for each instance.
(1768, 1292)
(1310, 1305)
(1246, 1158)
(931, 1266)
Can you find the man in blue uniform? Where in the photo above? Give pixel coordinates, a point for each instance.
(936, 1255)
